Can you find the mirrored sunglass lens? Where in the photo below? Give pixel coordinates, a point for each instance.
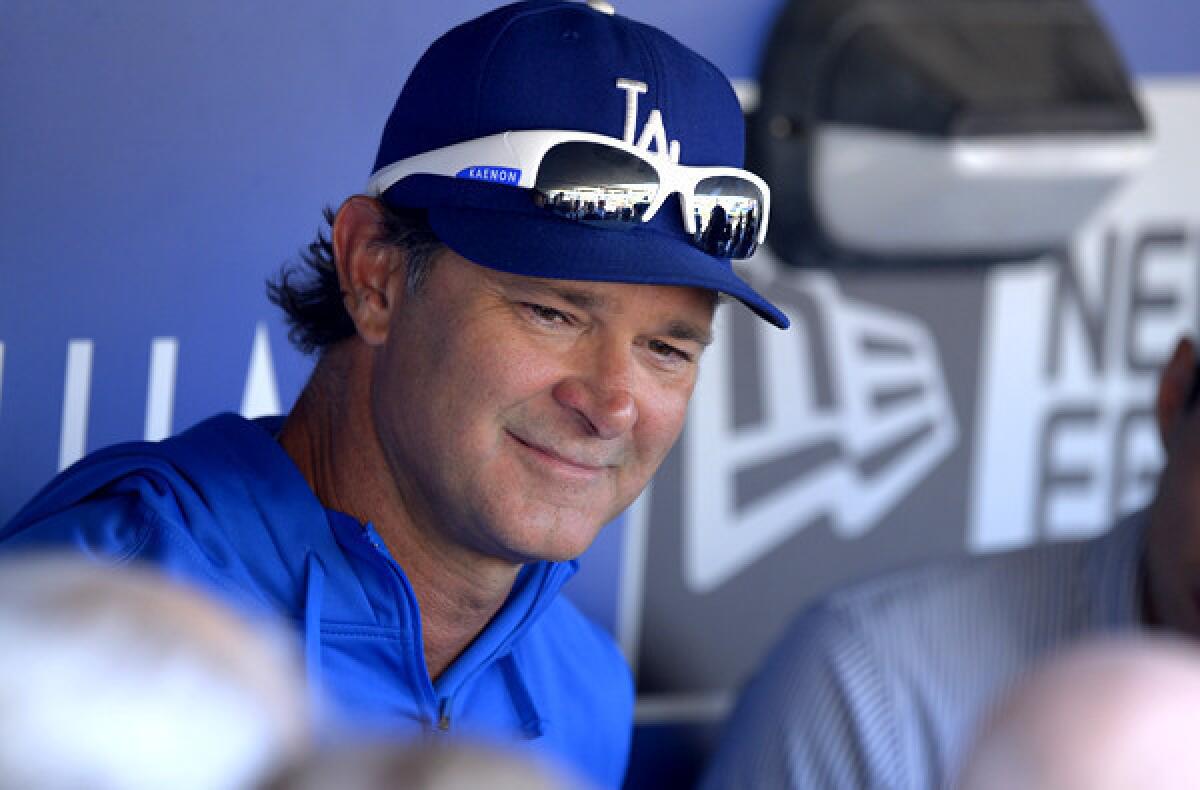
(727, 213)
(596, 184)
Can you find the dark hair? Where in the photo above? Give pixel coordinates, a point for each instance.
(309, 292)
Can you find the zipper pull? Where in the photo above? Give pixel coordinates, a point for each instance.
(443, 724)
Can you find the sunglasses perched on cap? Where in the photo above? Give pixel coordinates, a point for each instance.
(605, 182)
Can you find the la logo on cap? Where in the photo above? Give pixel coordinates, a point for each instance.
(653, 131)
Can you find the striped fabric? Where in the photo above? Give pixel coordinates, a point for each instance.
(883, 684)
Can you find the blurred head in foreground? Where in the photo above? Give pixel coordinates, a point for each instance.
(424, 765)
(1110, 714)
(117, 678)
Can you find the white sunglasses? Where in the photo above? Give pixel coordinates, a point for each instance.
(603, 181)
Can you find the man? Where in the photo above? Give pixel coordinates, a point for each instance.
(1111, 714)
(121, 679)
(884, 683)
(496, 380)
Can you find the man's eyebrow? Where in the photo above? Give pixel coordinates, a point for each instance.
(576, 297)
(584, 300)
(677, 329)
(684, 330)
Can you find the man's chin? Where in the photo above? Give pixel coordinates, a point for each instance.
(560, 543)
(564, 552)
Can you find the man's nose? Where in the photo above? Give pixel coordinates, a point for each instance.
(602, 394)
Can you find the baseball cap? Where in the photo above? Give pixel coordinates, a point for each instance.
(560, 65)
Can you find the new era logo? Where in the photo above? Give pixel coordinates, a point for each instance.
(849, 412)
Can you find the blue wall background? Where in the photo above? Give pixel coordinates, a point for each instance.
(158, 161)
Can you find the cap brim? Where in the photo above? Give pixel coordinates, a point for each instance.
(544, 246)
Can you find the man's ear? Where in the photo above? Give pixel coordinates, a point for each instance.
(1174, 385)
(367, 271)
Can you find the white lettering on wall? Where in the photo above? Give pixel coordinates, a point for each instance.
(77, 388)
(160, 387)
(260, 398)
(260, 395)
(1065, 441)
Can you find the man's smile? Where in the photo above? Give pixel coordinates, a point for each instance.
(567, 465)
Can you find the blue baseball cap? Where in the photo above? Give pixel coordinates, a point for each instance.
(555, 64)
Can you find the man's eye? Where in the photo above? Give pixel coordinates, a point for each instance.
(546, 315)
(668, 351)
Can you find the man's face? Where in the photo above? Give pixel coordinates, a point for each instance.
(1173, 535)
(519, 415)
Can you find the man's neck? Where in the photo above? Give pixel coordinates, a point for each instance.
(330, 437)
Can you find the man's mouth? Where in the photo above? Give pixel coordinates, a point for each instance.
(572, 465)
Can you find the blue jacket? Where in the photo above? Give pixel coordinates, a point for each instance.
(223, 505)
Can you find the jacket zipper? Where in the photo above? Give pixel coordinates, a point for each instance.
(445, 703)
(443, 706)
(443, 723)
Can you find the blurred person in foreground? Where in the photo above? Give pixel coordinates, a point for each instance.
(119, 678)
(1116, 714)
(884, 682)
(497, 377)
(432, 764)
